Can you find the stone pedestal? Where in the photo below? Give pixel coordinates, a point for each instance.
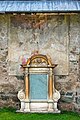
(56, 97)
(22, 106)
(27, 106)
(50, 106)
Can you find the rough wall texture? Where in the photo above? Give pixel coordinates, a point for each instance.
(51, 34)
(63, 38)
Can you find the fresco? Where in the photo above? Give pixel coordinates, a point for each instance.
(47, 34)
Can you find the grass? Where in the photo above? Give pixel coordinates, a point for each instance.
(10, 114)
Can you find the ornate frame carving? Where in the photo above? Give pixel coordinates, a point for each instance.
(39, 64)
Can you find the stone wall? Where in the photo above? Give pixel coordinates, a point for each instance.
(59, 30)
(9, 85)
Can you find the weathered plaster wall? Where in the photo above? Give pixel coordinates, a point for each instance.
(51, 33)
(57, 35)
(9, 85)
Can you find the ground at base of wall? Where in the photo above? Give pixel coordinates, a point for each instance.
(9, 114)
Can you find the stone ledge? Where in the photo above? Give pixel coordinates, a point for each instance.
(52, 112)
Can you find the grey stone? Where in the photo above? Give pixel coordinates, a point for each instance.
(78, 100)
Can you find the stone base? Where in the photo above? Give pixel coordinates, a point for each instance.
(38, 107)
(18, 111)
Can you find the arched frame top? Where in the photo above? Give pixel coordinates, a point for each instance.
(40, 58)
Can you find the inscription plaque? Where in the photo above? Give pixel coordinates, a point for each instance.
(38, 86)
